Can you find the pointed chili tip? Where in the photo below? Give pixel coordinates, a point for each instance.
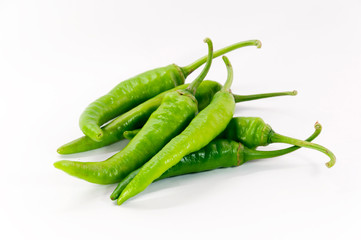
(64, 165)
(120, 201)
(258, 44)
(100, 136)
(58, 165)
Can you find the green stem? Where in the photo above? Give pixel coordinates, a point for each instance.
(194, 85)
(244, 98)
(229, 81)
(278, 138)
(251, 154)
(193, 66)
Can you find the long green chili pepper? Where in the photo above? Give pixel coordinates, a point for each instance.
(254, 132)
(220, 153)
(261, 134)
(178, 108)
(136, 117)
(209, 123)
(138, 89)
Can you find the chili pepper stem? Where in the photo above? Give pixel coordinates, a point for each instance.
(278, 138)
(193, 66)
(203, 128)
(251, 154)
(192, 88)
(229, 80)
(244, 98)
(204, 160)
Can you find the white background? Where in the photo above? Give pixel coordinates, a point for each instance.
(58, 56)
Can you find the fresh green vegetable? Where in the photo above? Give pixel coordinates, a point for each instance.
(209, 123)
(220, 153)
(137, 117)
(258, 133)
(130, 93)
(177, 109)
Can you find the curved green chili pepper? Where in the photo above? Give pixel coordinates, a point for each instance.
(113, 131)
(178, 108)
(136, 117)
(209, 123)
(138, 89)
(220, 153)
(258, 133)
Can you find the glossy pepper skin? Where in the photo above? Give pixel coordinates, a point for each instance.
(177, 109)
(251, 131)
(136, 117)
(138, 89)
(258, 133)
(254, 132)
(127, 95)
(209, 123)
(148, 142)
(220, 153)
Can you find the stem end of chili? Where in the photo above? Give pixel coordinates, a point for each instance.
(228, 83)
(318, 125)
(332, 162)
(258, 44)
(192, 88)
(206, 40)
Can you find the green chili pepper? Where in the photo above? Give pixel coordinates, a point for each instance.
(254, 132)
(178, 108)
(258, 133)
(136, 117)
(138, 89)
(209, 123)
(220, 153)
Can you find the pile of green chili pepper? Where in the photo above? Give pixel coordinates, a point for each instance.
(174, 128)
